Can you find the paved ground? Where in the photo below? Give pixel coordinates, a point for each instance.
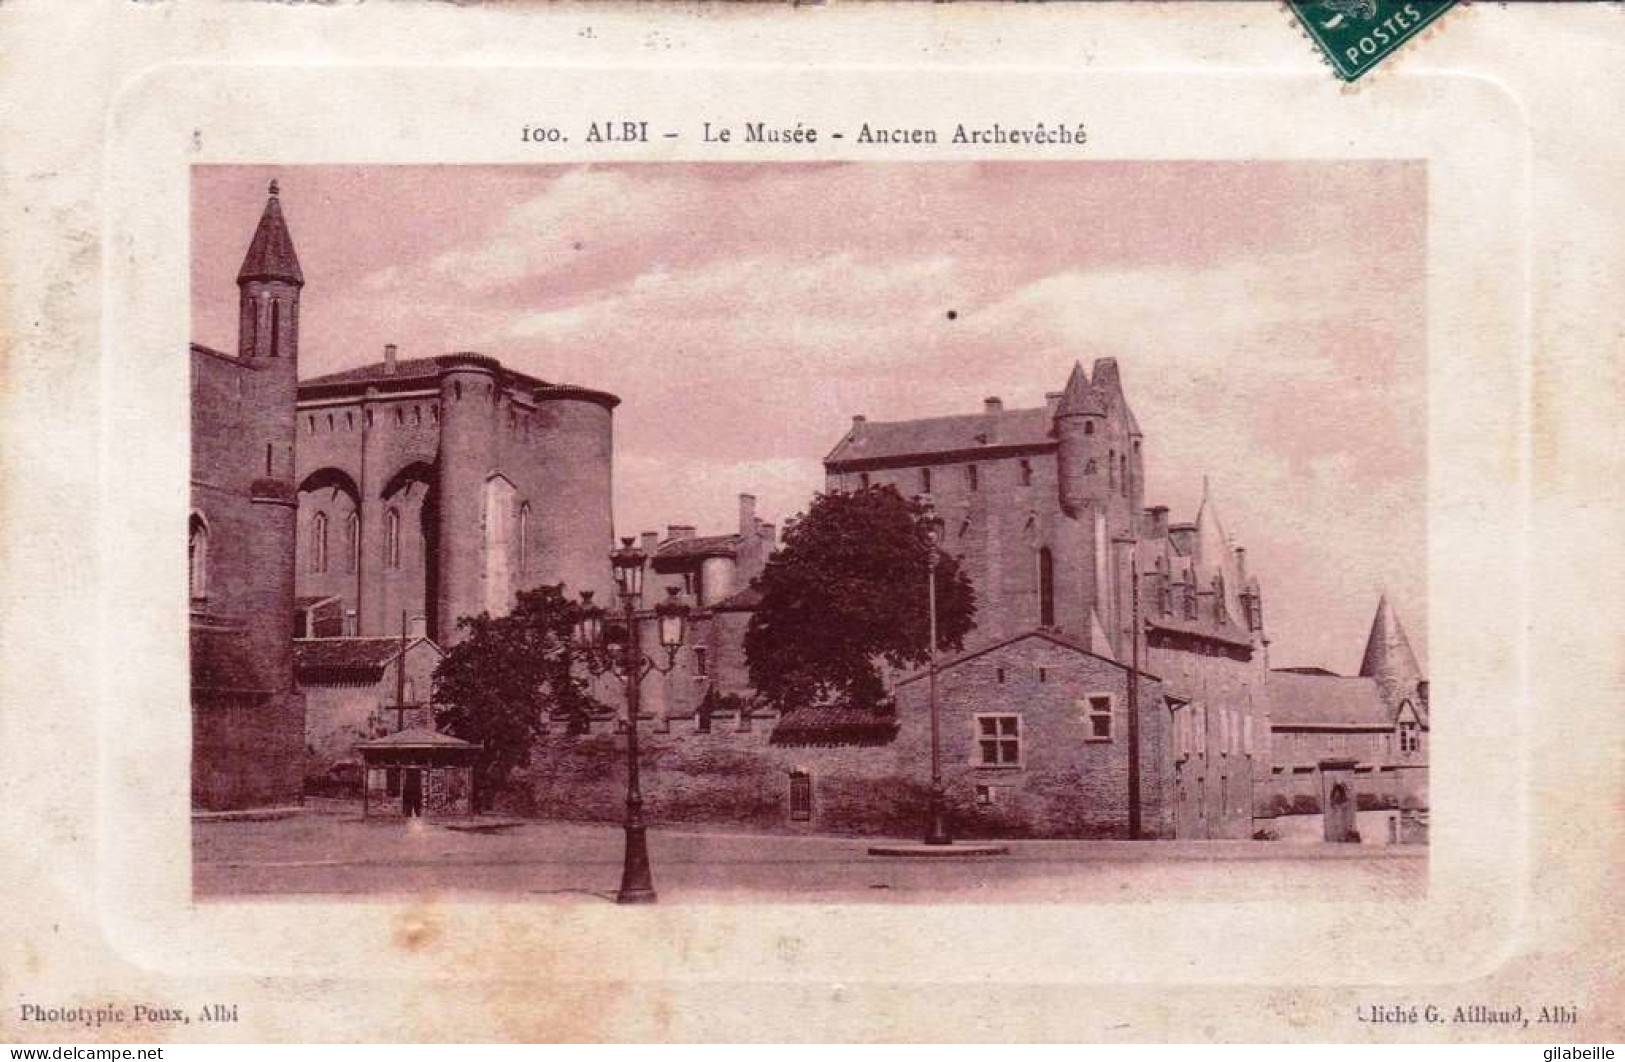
(340, 854)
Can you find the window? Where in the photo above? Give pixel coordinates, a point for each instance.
(801, 796)
(276, 327)
(998, 740)
(1026, 472)
(1088, 427)
(330, 422)
(349, 420)
(1046, 587)
(318, 543)
(999, 672)
(197, 556)
(1111, 469)
(1043, 674)
(1123, 480)
(863, 480)
(400, 417)
(925, 481)
(1410, 738)
(972, 478)
(392, 539)
(352, 542)
(702, 667)
(1100, 716)
(310, 424)
(524, 536)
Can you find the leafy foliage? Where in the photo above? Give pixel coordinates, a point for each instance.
(507, 677)
(850, 588)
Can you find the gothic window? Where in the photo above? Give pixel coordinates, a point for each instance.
(392, 539)
(998, 740)
(276, 326)
(330, 422)
(1111, 469)
(524, 536)
(197, 556)
(400, 417)
(267, 459)
(1046, 587)
(1026, 472)
(310, 424)
(349, 420)
(352, 542)
(318, 543)
(1123, 479)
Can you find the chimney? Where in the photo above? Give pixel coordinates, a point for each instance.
(678, 532)
(858, 421)
(747, 514)
(993, 404)
(1052, 400)
(650, 541)
(389, 359)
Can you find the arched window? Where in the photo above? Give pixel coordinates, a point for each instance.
(524, 536)
(197, 556)
(352, 542)
(1111, 469)
(1046, 587)
(318, 543)
(1124, 468)
(276, 326)
(392, 539)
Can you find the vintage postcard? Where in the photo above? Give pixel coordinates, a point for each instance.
(1084, 519)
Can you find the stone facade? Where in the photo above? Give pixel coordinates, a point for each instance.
(247, 714)
(354, 692)
(437, 488)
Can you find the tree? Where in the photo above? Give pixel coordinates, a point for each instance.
(848, 589)
(507, 677)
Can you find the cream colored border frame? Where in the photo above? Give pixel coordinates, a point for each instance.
(1470, 132)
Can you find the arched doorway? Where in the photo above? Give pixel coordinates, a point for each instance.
(1340, 815)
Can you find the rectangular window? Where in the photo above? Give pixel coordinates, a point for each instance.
(1043, 674)
(1026, 472)
(999, 672)
(863, 480)
(925, 481)
(701, 667)
(998, 740)
(1100, 717)
(972, 478)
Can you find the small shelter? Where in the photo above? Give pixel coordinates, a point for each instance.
(417, 773)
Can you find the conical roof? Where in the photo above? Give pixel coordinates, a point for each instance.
(1213, 553)
(1109, 384)
(1079, 397)
(270, 254)
(1388, 655)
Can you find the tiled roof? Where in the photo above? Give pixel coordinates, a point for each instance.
(347, 654)
(1063, 639)
(881, 441)
(1332, 701)
(405, 368)
(1229, 635)
(415, 737)
(747, 600)
(699, 546)
(221, 662)
(1079, 397)
(834, 726)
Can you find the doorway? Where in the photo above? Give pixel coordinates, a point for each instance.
(1340, 815)
(412, 793)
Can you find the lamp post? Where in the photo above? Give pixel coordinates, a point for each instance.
(936, 830)
(630, 664)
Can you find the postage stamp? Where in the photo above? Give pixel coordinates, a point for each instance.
(1356, 35)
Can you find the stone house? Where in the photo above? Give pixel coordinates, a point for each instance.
(356, 690)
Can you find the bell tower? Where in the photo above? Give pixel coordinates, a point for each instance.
(268, 285)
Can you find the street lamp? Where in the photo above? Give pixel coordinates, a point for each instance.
(936, 831)
(630, 664)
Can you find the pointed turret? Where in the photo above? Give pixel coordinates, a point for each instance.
(270, 254)
(1080, 398)
(1109, 384)
(1213, 555)
(1388, 656)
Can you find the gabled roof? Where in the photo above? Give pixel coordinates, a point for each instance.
(350, 654)
(270, 254)
(1329, 702)
(881, 442)
(1065, 641)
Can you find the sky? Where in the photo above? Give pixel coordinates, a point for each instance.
(1268, 319)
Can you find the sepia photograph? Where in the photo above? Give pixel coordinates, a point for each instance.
(836, 532)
